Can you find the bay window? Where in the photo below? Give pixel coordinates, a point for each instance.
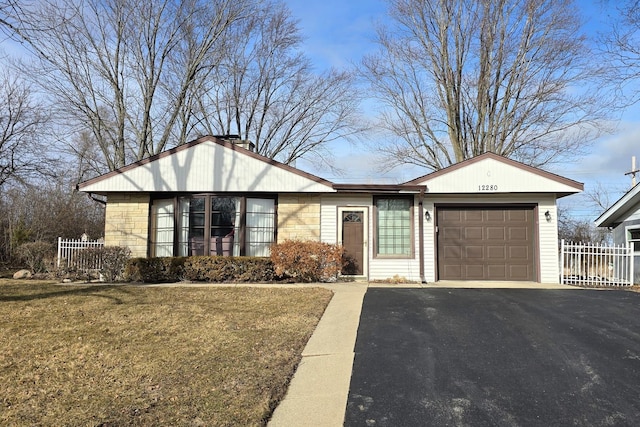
(212, 225)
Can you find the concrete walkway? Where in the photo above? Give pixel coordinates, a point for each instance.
(318, 393)
(319, 390)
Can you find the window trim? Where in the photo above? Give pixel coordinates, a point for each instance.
(175, 197)
(633, 242)
(412, 251)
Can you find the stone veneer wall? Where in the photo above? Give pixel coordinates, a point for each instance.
(127, 222)
(298, 217)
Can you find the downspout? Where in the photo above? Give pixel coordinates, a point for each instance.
(421, 235)
(91, 196)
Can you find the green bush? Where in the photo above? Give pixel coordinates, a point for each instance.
(307, 261)
(35, 255)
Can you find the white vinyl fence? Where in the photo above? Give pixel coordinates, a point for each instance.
(72, 254)
(595, 265)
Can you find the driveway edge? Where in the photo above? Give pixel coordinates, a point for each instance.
(319, 389)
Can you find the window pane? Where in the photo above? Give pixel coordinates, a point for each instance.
(393, 226)
(183, 238)
(260, 228)
(162, 238)
(196, 225)
(224, 222)
(634, 238)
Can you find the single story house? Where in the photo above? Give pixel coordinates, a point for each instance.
(623, 218)
(487, 218)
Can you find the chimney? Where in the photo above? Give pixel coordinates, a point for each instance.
(235, 140)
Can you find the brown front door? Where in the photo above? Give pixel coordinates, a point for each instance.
(353, 242)
(486, 243)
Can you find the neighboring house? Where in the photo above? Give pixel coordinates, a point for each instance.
(487, 218)
(623, 218)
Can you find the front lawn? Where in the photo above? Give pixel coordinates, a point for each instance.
(134, 355)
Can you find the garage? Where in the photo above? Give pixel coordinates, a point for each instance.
(486, 242)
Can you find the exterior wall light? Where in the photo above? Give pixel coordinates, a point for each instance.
(547, 215)
(427, 215)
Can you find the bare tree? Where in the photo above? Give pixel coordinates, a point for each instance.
(622, 47)
(123, 70)
(266, 91)
(457, 79)
(45, 211)
(22, 126)
(580, 230)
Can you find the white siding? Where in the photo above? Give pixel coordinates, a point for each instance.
(548, 240)
(492, 176)
(429, 242)
(379, 268)
(633, 215)
(329, 213)
(208, 166)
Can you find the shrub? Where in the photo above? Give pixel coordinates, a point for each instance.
(255, 269)
(207, 269)
(213, 269)
(155, 270)
(219, 269)
(34, 255)
(307, 261)
(114, 261)
(112, 258)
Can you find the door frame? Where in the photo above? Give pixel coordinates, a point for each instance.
(365, 234)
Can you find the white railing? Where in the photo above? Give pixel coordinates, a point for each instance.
(72, 254)
(595, 265)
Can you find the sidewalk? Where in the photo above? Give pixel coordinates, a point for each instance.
(318, 393)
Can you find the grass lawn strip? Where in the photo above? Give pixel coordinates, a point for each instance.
(128, 355)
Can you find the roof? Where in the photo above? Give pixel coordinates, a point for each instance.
(492, 173)
(621, 209)
(211, 164)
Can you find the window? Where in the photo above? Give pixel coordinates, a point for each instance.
(634, 239)
(393, 226)
(213, 225)
(260, 227)
(162, 231)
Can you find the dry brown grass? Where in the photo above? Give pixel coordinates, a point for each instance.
(127, 355)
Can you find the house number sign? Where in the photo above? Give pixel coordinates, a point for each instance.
(488, 187)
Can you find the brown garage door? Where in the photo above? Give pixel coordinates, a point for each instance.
(487, 243)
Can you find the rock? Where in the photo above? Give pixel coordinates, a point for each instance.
(22, 274)
(67, 280)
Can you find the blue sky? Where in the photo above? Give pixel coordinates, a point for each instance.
(338, 33)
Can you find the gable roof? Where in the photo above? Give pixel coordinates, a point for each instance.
(621, 209)
(499, 173)
(206, 164)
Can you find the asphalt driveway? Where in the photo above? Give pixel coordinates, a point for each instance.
(492, 357)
